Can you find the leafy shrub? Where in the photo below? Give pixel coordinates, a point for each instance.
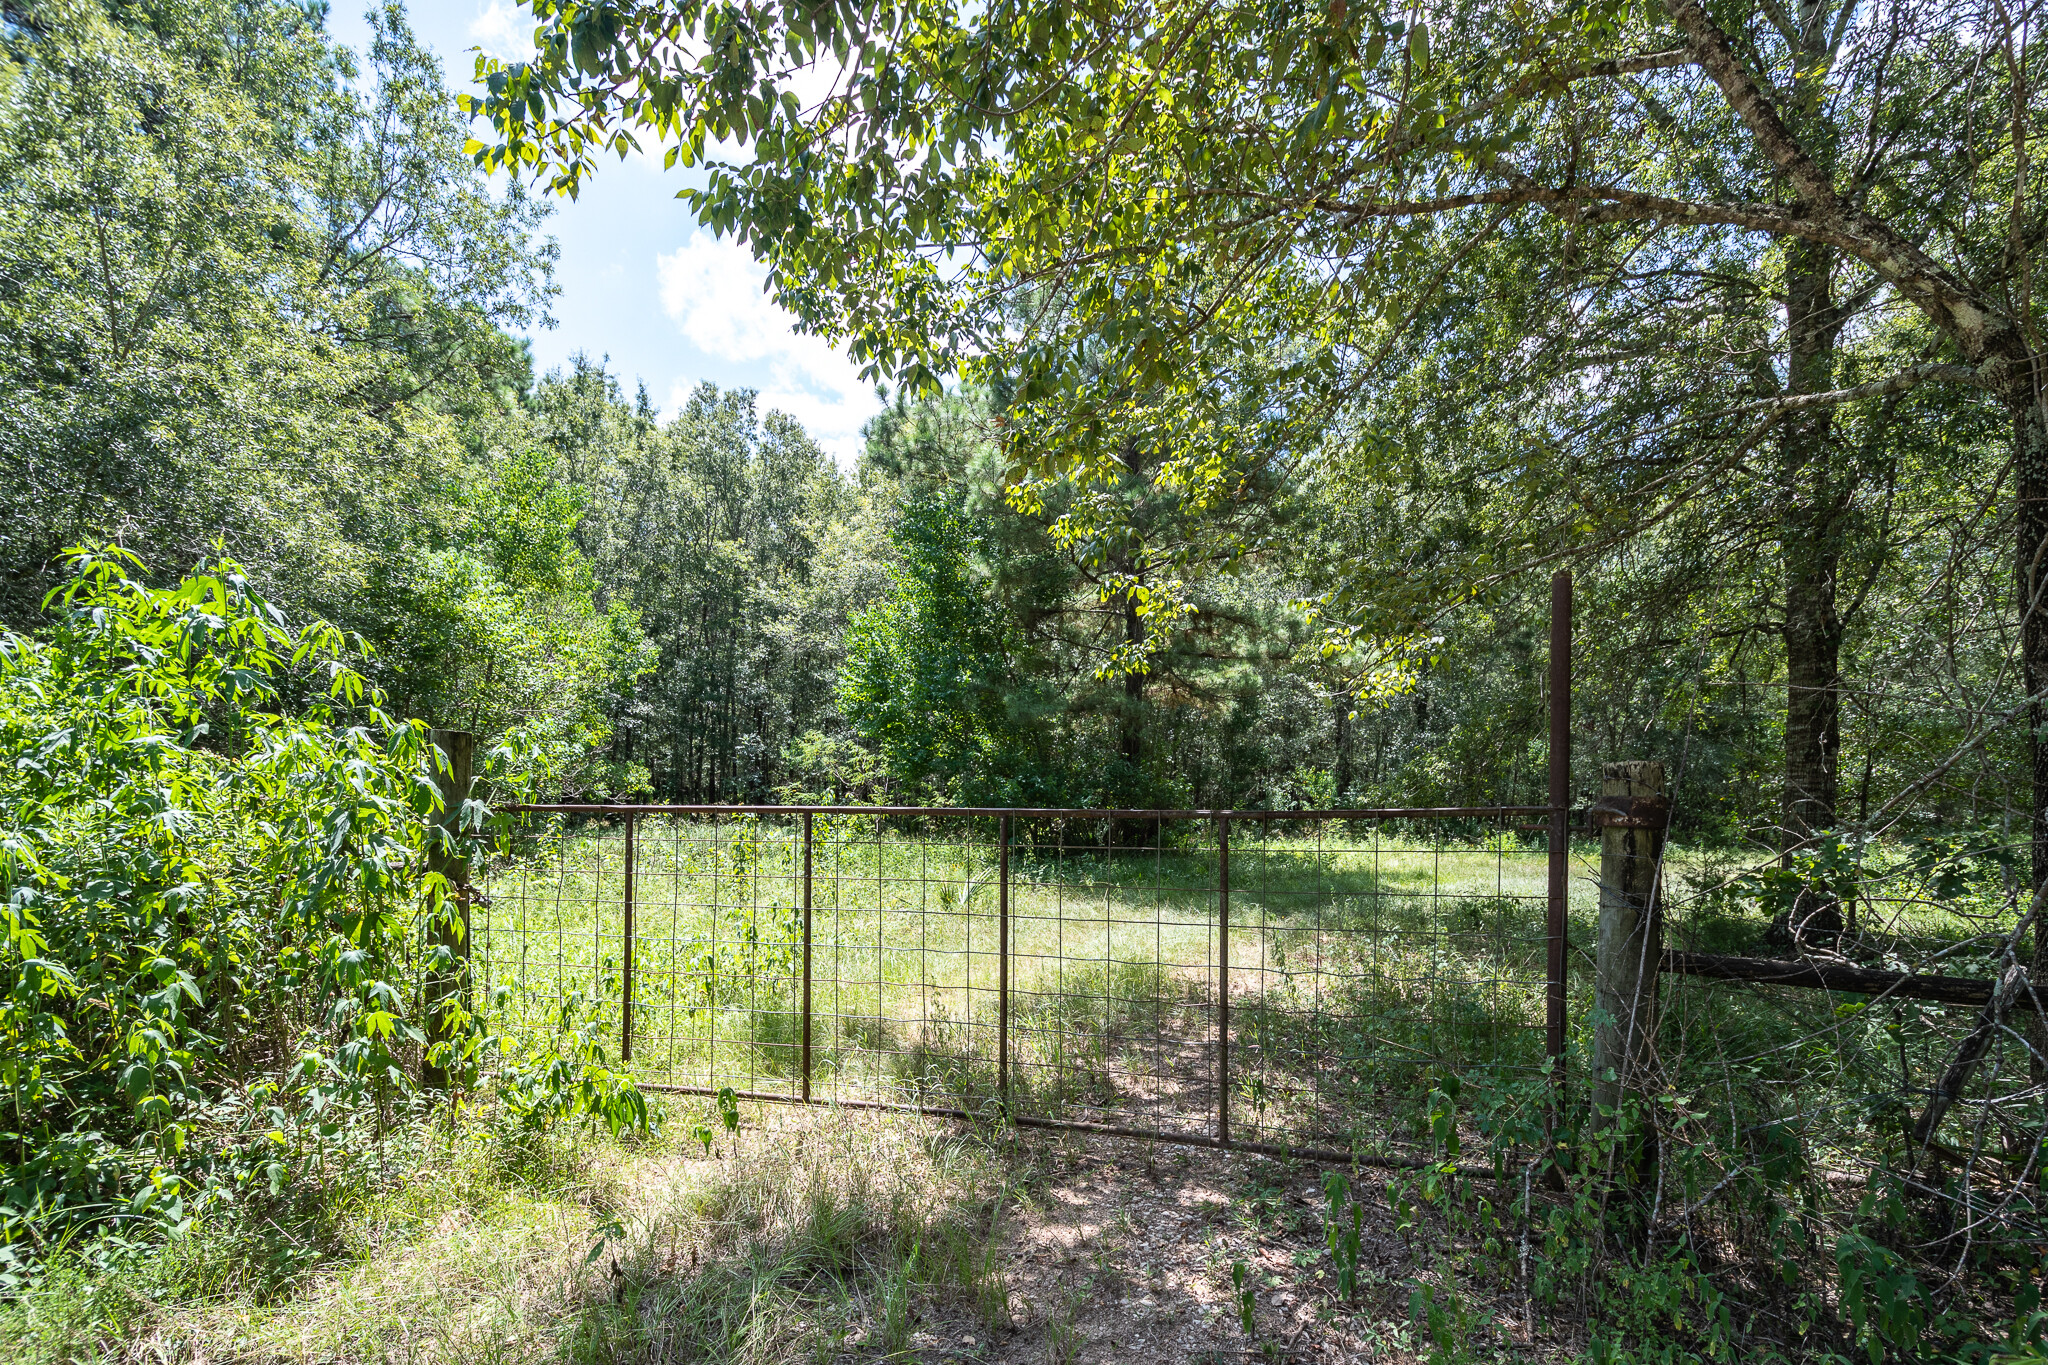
(219, 913)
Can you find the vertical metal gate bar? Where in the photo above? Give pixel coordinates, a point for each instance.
(626, 956)
(1003, 961)
(1560, 816)
(1223, 980)
(804, 1063)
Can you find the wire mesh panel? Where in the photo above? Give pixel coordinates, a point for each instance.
(717, 951)
(1368, 957)
(904, 969)
(547, 943)
(1113, 1013)
(1268, 978)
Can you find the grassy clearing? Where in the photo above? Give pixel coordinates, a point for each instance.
(827, 1235)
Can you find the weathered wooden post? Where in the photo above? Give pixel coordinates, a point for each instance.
(445, 983)
(1632, 814)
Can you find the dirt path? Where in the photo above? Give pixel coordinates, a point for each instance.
(1126, 1253)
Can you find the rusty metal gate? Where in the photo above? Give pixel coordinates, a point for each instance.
(1263, 979)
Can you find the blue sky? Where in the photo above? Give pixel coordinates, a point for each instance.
(641, 281)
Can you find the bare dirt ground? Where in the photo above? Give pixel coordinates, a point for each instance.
(1126, 1249)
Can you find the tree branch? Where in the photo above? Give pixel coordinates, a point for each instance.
(1910, 377)
(1978, 328)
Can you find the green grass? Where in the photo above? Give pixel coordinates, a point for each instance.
(1360, 960)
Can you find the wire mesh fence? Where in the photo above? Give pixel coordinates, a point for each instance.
(1261, 979)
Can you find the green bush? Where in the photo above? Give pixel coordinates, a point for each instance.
(218, 912)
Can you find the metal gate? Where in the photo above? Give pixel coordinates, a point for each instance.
(1256, 979)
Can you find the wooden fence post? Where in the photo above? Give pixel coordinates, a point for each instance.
(1632, 813)
(445, 985)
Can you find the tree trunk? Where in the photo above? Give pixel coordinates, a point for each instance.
(1137, 462)
(1810, 541)
(2030, 468)
(2030, 464)
(1340, 715)
(1131, 742)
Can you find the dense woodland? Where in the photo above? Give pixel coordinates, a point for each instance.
(1250, 369)
(262, 305)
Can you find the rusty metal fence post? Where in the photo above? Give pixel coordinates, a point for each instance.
(626, 956)
(1556, 918)
(1223, 980)
(804, 1064)
(1003, 961)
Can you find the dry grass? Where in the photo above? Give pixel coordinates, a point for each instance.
(821, 1233)
(832, 1237)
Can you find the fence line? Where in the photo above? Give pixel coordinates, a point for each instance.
(1367, 957)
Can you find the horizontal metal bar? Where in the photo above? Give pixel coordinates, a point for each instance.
(1043, 812)
(1323, 1156)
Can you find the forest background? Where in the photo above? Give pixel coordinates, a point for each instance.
(257, 301)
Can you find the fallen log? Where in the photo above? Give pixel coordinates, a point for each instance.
(1840, 976)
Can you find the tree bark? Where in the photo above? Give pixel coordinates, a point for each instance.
(1131, 742)
(2030, 465)
(1815, 490)
(1137, 461)
(1810, 538)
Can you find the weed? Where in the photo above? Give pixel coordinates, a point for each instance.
(1445, 1319)
(1246, 1298)
(1345, 1234)
(896, 1302)
(1063, 1340)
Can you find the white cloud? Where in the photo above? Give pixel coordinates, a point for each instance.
(504, 31)
(712, 290)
